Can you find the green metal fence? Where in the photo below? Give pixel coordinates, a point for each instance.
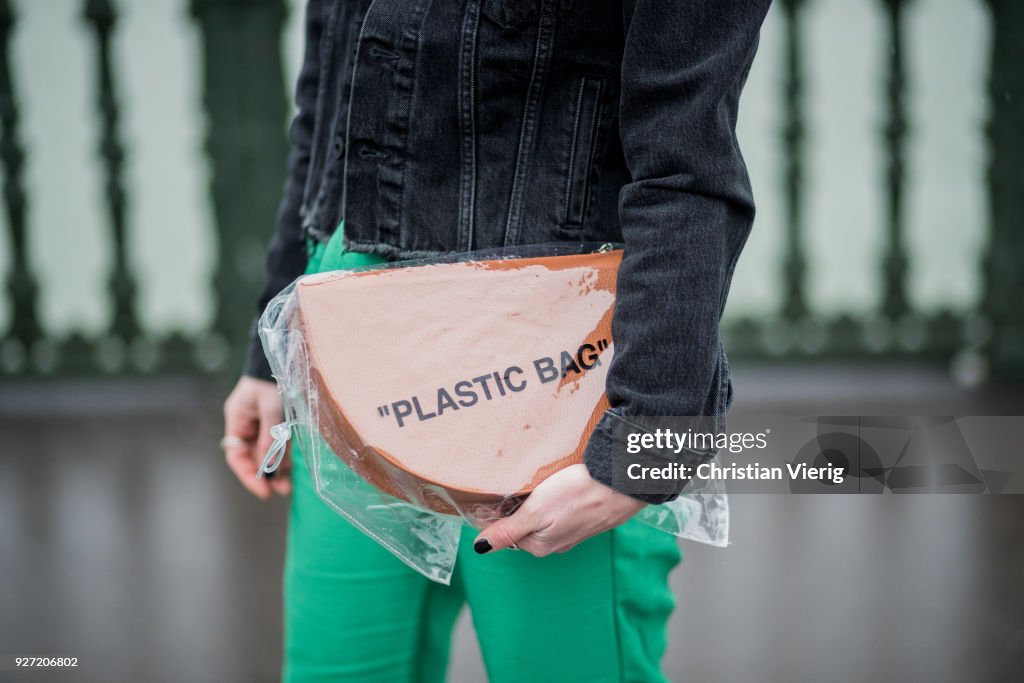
(245, 104)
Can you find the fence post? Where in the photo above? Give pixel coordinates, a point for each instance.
(895, 305)
(794, 305)
(22, 288)
(1004, 262)
(246, 106)
(101, 16)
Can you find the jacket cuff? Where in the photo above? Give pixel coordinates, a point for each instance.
(256, 364)
(600, 459)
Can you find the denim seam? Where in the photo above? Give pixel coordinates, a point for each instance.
(541, 57)
(413, 40)
(731, 266)
(392, 171)
(348, 112)
(390, 251)
(570, 172)
(467, 117)
(595, 130)
(568, 216)
(316, 152)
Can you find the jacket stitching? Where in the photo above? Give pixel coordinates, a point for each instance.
(467, 110)
(541, 54)
(572, 151)
(584, 157)
(348, 112)
(316, 161)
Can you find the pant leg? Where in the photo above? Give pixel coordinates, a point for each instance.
(596, 613)
(352, 611)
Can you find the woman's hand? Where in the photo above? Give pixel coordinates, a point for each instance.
(565, 509)
(252, 408)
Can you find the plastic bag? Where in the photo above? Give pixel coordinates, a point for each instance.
(429, 394)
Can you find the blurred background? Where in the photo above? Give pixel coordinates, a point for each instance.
(884, 275)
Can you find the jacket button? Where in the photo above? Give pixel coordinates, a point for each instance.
(339, 146)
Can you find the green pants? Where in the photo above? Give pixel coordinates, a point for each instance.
(354, 612)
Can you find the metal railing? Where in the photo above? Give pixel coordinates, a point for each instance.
(988, 338)
(247, 162)
(244, 193)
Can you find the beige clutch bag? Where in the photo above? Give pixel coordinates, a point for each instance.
(457, 384)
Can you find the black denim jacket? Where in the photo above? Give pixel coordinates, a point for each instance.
(435, 126)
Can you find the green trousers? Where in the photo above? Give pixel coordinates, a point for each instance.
(354, 612)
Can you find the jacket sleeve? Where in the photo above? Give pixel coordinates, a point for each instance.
(286, 255)
(685, 214)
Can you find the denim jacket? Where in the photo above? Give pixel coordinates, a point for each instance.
(435, 126)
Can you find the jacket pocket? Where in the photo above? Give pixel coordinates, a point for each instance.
(586, 120)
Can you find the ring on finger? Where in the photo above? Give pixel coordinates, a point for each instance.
(231, 441)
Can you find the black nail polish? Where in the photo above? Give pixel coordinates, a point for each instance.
(269, 475)
(482, 546)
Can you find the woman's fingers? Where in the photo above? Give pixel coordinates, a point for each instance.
(240, 461)
(565, 509)
(243, 429)
(509, 531)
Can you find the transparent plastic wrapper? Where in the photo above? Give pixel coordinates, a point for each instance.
(425, 395)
